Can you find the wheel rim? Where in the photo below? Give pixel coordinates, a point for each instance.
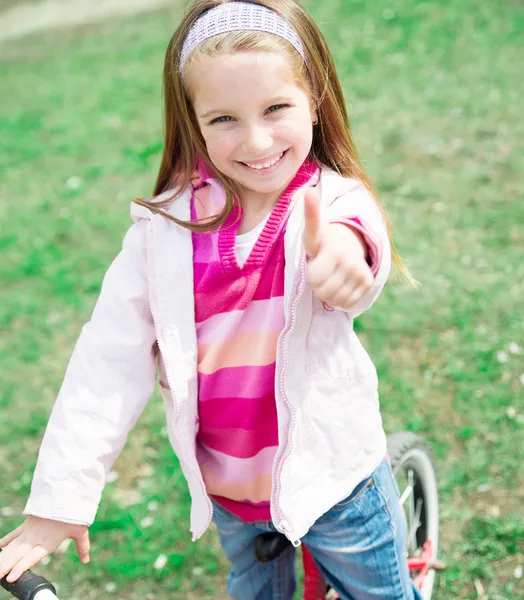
(416, 479)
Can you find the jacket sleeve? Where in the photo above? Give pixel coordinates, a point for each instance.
(357, 208)
(110, 377)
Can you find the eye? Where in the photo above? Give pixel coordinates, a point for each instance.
(222, 120)
(276, 107)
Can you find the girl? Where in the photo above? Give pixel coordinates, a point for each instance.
(240, 283)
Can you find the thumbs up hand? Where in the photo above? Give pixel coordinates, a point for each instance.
(337, 269)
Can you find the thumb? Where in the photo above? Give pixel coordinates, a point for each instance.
(83, 546)
(313, 227)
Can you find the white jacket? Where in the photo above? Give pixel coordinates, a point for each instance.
(325, 386)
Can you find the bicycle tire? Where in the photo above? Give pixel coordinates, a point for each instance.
(409, 453)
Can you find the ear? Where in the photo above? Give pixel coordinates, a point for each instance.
(314, 113)
(313, 106)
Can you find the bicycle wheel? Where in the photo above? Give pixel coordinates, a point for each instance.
(415, 473)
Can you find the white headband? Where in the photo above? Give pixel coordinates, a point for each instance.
(238, 16)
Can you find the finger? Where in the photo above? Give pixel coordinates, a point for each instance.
(313, 226)
(26, 562)
(11, 536)
(331, 288)
(342, 300)
(358, 273)
(358, 289)
(362, 277)
(12, 555)
(357, 295)
(83, 546)
(321, 268)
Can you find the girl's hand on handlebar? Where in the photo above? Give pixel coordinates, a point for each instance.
(35, 539)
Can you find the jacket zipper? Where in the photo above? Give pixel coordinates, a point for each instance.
(154, 313)
(283, 525)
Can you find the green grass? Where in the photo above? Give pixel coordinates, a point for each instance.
(435, 93)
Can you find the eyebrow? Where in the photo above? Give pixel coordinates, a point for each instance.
(213, 112)
(271, 102)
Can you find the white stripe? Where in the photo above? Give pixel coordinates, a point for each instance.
(255, 318)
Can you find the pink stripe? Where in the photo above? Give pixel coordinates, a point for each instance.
(236, 382)
(237, 470)
(220, 298)
(247, 443)
(246, 512)
(260, 315)
(272, 281)
(203, 271)
(205, 248)
(241, 413)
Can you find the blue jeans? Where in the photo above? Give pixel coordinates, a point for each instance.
(359, 545)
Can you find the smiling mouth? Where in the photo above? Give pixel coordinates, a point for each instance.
(262, 166)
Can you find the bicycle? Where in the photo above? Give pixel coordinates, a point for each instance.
(415, 474)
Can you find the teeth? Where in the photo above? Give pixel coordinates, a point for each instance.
(259, 167)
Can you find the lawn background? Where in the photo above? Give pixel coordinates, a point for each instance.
(435, 95)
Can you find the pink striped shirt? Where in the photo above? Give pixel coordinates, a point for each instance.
(239, 316)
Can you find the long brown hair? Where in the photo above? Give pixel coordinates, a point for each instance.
(184, 145)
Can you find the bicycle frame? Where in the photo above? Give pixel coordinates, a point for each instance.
(315, 585)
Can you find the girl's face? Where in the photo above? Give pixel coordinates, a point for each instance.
(257, 122)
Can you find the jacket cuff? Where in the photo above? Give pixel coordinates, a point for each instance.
(77, 512)
(373, 242)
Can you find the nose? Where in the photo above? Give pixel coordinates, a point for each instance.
(258, 139)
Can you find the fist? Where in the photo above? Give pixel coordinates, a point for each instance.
(337, 269)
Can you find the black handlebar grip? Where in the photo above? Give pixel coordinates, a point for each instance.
(27, 586)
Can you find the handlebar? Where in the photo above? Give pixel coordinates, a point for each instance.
(30, 587)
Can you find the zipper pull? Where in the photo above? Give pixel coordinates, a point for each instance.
(286, 530)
